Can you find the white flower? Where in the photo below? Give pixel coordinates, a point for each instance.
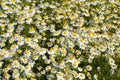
(26, 7)
(31, 12)
(80, 69)
(29, 20)
(7, 75)
(65, 33)
(42, 51)
(15, 64)
(89, 68)
(28, 40)
(6, 35)
(95, 76)
(111, 61)
(31, 64)
(102, 48)
(60, 76)
(114, 66)
(56, 33)
(10, 28)
(111, 47)
(14, 47)
(20, 42)
(32, 30)
(51, 51)
(81, 76)
(16, 75)
(27, 53)
(24, 60)
(82, 46)
(75, 64)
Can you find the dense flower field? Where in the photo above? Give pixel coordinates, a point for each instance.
(59, 40)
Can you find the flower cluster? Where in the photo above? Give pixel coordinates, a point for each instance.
(59, 39)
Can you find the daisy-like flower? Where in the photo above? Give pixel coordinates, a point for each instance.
(51, 51)
(28, 20)
(102, 48)
(89, 68)
(31, 12)
(24, 60)
(28, 40)
(75, 74)
(5, 54)
(60, 76)
(21, 21)
(7, 75)
(48, 68)
(35, 38)
(32, 30)
(15, 64)
(75, 64)
(42, 51)
(81, 76)
(65, 33)
(82, 46)
(15, 73)
(10, 28)
(43, 72)
(2, 27)
(111, 61)
(16, 36)
(27, 53)
(56, 33)
(62, 65)
(20, 42)
(27, 7)
(27, 70)
(80, 69)
(6, 35)
(14, 47)
(111, 47)
(71, 58)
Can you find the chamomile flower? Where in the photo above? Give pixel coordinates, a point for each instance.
(10, 28)
(15, 74)
(65, 33)
(75, 64)
(81, 76)
(26, 7)
(80, 69)
(56, 33)
(7, 75)
(24, 60)
(28, 20)
(102, 48)
(2, 27)
(111, 47)
(42, 51)
(51, 51)
(32, 30)
(60, 76)
(48, 68)
(27, 53)
(28, 40)
(89, 68)
(31, 12)
(14, 47)
(82, 46)
(15, 64)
